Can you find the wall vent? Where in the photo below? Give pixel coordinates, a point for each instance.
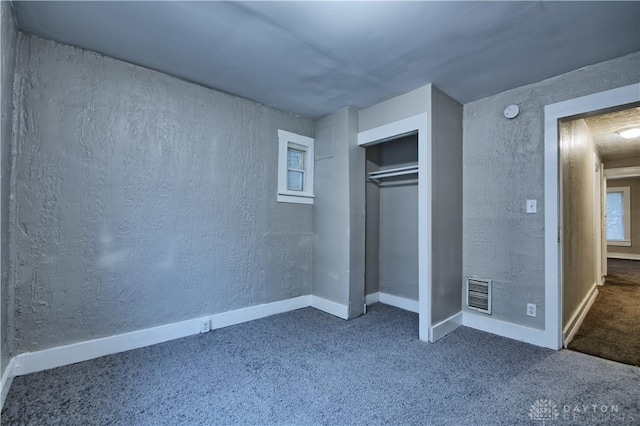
(479, 294)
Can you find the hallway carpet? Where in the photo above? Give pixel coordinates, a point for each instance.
(308, 367)
(611, 329)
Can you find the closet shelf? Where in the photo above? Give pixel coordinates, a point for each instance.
(398, 171)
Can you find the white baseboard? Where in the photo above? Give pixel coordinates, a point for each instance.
(372, 298)
(626, 256)
(390, 299)
(251, 313)
(31, 362)
(576, 319)
(330, 307)
(445, 327)
(399, 302)
(506, 329)
(5, 383)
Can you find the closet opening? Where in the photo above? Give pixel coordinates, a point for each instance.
(391, 224)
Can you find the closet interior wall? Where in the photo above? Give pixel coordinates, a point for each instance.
(392, 220)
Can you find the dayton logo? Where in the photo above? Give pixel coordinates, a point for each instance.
(543, 410)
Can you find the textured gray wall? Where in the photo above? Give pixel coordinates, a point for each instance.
(634, 186)
(446, 206)
(503, 166)
(8, 49)
(579, 241)
(144, 200)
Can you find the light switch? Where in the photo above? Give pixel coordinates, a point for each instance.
(532, 206)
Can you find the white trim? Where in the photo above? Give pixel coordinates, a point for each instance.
(391, 300)
(399, 302)
(445, 327)
(507, 329)
(626, 256)
(619, 243)
(425, 222)
(372, 298)
(597, 214)
(579, 315)
(553, 248)
(393, 130)
(330, 307)
(420, 123)
(5, 384)
(251, 313)
(297, 199)
(622, 172)
(31, 362)
(397, 171)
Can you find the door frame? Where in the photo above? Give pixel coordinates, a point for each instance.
(603, 224)
(597, 214)
(417, 123)
(553, 113)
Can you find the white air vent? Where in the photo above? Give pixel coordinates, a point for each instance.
(479, 294)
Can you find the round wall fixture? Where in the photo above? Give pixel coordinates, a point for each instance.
(512, 111)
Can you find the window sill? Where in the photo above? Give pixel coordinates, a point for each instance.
(621, 243)
(295, 199)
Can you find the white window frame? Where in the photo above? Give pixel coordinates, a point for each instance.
(626, 200)
(301, 143)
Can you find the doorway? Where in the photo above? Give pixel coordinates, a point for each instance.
(415, 125)
(599, 315)
(569, 305)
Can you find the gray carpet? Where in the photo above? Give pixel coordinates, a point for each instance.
(307, 367)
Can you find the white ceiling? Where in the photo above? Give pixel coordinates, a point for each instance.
(312, 58)
(611, 145)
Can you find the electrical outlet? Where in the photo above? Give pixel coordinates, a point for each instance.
(531, 310)
(205, 325)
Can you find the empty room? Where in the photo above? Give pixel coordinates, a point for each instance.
(332, 212)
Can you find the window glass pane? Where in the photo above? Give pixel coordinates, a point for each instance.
(295, 180)
(295, 159)
(615, 216)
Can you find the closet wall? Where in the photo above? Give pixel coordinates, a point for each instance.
(413, 249)
(446, 211)
(338, 218)
(439, 229)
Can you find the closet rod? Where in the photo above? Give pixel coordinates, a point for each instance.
(392, 183)
(400, 171)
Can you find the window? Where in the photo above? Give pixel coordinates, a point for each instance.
(619, 216)
(295, 168)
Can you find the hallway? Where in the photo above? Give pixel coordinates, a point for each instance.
(611, 329)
